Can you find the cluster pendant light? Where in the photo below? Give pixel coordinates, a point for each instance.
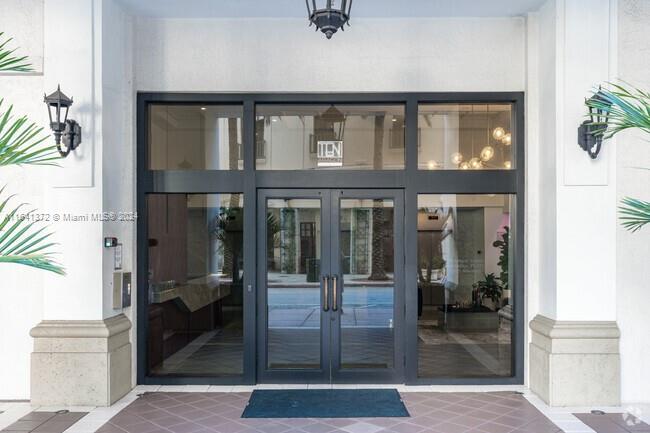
(500, 134)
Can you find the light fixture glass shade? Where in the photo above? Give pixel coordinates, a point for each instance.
(487, 153)
(456, 158)
(498, 133)
(329, 15)
(507, 164)
(432, 164)
(464, 165)
(507, 139)
(475, 163)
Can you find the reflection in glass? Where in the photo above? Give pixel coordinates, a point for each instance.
(465, 137)
(464, 285)
(367, 264)
(195, 137)
(309, 137)
(195, 284)
(293, 283)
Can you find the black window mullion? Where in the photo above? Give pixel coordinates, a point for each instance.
(465, 182)
(198, 181)
(410, 334)
(250, 241)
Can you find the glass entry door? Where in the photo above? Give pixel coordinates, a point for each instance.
(330, 286)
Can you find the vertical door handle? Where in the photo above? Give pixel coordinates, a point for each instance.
(326, 298)
(335, 301)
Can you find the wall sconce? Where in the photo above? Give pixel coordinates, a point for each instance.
(591, 131)
(66, 130)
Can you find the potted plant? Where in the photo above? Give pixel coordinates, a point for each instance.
(477, 317)
(489, 288)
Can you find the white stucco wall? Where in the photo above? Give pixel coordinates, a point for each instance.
(633, 249)
(21, 289)
(98, 178)
(276, 55)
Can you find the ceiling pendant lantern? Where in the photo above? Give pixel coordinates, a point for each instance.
(327, 17)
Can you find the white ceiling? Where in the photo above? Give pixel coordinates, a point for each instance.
(360, 8)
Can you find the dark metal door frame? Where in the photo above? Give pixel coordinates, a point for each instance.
(330, 323)
(264, 374)
(396, 373)
(411, 180)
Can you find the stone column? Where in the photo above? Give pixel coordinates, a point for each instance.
(573, 354)
(81, 362)
(82, 350)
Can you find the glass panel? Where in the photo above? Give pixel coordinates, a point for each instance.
(465, 137)
(367, 264)
(195, 284)
(293, 283)
(464, 285)
(322, 137)
(195, 137)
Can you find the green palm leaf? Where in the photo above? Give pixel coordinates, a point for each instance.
(20, 142)
(9, 62)
(22, 241)
(625, 109)
(634, 213)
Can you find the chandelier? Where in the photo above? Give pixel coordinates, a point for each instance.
(327, 17)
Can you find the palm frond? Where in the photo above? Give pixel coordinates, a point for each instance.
(635, 213)
(625, 107)
(23, 241)
(9, 62)
(20, 142)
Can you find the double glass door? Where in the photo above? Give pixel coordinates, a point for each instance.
(330, 286)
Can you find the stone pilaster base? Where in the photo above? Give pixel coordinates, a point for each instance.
(575, 363)
(81, 362)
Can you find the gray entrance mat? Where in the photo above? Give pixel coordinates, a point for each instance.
(325, 403)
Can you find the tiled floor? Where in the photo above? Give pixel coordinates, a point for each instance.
(564, 417)
(614, 422)
(45, 422)
(185, 412)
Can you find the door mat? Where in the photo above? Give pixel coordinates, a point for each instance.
(325, 403)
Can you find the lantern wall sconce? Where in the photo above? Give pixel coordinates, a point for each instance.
(65, 130)
(591, 131)
(327, 17)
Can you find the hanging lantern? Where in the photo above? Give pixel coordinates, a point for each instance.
(327, 16)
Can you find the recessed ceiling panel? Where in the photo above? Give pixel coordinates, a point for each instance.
(298, 9)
